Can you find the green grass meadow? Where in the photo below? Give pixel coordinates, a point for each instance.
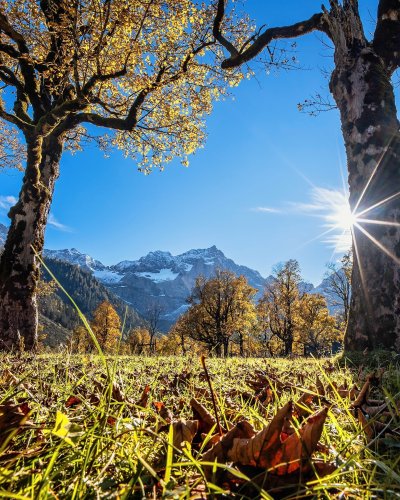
(100, 427)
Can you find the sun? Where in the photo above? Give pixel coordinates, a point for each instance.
(343, 217)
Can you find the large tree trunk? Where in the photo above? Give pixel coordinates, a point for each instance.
(19, 266)
(364, 94)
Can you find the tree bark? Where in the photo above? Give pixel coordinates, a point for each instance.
(226, 347)
(288, 347)
(364, 94)
(19, 266)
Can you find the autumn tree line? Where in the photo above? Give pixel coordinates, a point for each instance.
(224, 318)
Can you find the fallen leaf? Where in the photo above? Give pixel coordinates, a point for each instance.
(144, 399)
(184, 431)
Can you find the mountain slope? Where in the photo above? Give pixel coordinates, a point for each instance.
(162, 280)
(158, 280)
(86, 291)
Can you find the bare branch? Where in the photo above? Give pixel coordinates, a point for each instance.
(27, 67)
(22, 125)
(316, 22)
(217, 30)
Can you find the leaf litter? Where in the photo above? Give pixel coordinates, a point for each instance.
(263, 443)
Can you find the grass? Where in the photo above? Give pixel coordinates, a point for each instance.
(115, 444)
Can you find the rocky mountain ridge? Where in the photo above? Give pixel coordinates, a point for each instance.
(161, 281)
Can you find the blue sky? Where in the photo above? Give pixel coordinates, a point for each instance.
(261, 153)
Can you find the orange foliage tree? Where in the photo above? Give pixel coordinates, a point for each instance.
(106, 326)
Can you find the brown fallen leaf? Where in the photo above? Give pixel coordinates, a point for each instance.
(73, 401)
(319, 386)
(297, 449)
(144, 399)
(184, 430)
(200, 413)
(302, 407)
(163, 411)
(258, 450)
(222, 446)
(266, 449)
(13, 417)
(362, 396)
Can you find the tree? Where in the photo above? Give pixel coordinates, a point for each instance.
(80, 341)
(144, 71)
(139, 341)
(106, 326)
(153, 316)
(278, 306)
(316, 328)
(362, 87)
(220, 307)
(178, 342)
(337, 283)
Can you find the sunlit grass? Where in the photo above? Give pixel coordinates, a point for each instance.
(119, 452)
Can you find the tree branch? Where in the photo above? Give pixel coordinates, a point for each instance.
(9, 50)
(316, 22)
(101, 78)
(21, 104)
(387, 33)
(217, 30)
(27, 68)
(22, 125)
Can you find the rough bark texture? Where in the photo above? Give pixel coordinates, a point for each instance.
(19, 267)
(364, 95)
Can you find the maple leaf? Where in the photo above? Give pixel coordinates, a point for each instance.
(184, 431)
(272, 449)
(144, 399)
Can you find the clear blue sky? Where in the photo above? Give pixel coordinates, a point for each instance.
(260, 152)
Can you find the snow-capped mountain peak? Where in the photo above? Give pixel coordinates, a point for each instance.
(74, 256)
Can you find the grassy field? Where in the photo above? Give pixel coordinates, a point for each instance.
(89, 427)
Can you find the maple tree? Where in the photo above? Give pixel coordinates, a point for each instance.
(362, 86)
(277, 308)
(337, 283)
(139, 341)
(143, 75)
(79, 340)
(220, 307)
(106, 326)
(316, 328)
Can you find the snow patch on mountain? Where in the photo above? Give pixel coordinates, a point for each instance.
(106, 276)
(164, 274)
(174, 315)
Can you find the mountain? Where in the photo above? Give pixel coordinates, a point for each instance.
(73, 256)
(87, 293)
(162, 280)
(159, 280)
